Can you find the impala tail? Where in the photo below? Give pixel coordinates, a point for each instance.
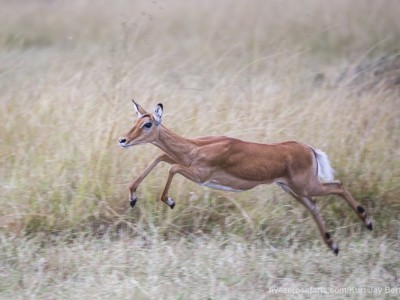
(325, 171)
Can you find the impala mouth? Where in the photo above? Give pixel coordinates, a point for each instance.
(123, 145)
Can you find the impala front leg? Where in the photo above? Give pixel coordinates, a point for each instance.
(186, 172)
(133, 187)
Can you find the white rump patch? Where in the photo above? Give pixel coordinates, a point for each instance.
(325, 171)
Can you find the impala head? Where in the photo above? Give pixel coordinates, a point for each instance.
(144, 129)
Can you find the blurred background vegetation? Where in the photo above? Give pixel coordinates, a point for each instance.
(263, 71)
(321, 72)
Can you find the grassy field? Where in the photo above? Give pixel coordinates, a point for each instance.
(323, 73)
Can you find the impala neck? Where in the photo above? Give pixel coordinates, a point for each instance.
(177, 147)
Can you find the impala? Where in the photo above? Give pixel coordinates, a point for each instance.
(229, 164)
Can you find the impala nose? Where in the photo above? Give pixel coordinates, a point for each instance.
(122, 140)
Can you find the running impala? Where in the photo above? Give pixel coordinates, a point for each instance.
(229, 164)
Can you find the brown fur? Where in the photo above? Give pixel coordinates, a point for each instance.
(226, 163)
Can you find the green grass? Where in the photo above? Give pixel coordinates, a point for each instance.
(251, 70)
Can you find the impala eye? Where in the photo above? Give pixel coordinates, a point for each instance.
(147, 125)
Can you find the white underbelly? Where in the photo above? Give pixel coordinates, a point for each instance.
(217, 186)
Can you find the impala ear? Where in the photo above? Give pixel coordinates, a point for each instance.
(138, 109)
(158, 111)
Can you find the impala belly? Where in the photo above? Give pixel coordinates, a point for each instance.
(221, 180)
(217, 186)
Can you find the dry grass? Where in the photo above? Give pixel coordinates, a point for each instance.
(204, 268)
(67, 73)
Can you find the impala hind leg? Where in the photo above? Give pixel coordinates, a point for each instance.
(133, 187)
(310, 205)
(337, 188)
(174, 169)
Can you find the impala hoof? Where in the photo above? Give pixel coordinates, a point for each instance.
(336, 250)
(132, 202)
(171, 203)
(369, 226)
